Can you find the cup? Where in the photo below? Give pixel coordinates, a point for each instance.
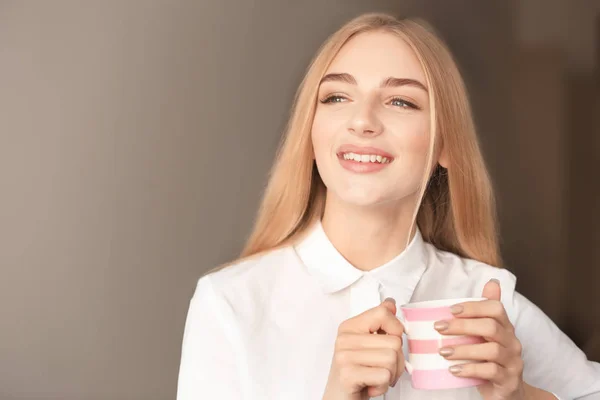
(428, 369)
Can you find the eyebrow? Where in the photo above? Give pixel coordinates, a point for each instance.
(385, 83)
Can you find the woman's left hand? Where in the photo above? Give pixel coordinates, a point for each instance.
(499, 357)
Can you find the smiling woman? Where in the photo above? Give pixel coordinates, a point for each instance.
(382, 108)
(379, 190)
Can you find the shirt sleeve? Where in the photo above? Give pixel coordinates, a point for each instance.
(552, 361)
(208, 369)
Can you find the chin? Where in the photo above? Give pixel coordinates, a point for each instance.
(362, 198)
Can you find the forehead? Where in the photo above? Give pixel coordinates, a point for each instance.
(372, 56)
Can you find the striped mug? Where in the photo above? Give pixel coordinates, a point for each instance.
(428, 369)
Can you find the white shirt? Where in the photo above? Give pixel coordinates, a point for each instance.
(265, 327)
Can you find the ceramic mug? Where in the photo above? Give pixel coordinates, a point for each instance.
(428, 369)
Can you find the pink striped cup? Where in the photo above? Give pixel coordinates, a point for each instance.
(428, 369)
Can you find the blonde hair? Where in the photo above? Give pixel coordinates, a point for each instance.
(456, 210)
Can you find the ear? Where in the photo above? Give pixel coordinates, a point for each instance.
(443, 158)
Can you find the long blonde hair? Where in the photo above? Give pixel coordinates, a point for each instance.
(456, 211)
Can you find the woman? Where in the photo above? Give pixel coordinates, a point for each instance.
(379, 191)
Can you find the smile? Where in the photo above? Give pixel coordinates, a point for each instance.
(363, 163)
(365, 158)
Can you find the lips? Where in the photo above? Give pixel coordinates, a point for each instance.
(348, 148)
(363, 160)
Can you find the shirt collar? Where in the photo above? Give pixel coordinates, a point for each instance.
(399, 276)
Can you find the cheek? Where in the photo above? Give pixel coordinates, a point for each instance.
(412, 149)
(413, 140)
(418, 145)
(323, 135)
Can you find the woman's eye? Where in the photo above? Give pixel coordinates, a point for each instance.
(398, 102)
(333, 99)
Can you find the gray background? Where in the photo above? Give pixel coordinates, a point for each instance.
(135, 139)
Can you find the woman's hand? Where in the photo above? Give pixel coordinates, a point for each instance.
(364, 364)
(500, 356)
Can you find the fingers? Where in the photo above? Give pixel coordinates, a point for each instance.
(358, 376)
(496, 374)
(489, 351)
(479, 309)
(362, 341)
(374, 391)
(382, 317)
(376, 358)
(390, 304)
(491, 290)
(488, 371)
(488, 328)
(355, 341)
(356, 345)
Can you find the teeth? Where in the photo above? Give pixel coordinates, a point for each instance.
(365, 158)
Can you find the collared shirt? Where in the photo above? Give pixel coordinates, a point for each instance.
(265, 328)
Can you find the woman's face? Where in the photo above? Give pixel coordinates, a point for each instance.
(371, 129)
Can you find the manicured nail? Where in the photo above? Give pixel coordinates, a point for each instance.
(446, 351)
(456, 309)
(390, 299)
(441, 325)
(455, 369)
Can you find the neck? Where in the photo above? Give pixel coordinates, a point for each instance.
(368, 237)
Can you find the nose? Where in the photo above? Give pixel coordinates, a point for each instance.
(365, 121)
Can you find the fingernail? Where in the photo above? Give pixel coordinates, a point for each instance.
(456, 309)
(390, 299)
(446, 351)
(494, 280)
(455, 369)
(441, 325)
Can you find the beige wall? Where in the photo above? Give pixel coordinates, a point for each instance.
(135, 137)
(556, 92)
(570, 24)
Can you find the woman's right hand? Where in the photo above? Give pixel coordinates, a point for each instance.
(364, 364)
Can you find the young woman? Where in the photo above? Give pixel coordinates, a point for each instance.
(379, 191)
